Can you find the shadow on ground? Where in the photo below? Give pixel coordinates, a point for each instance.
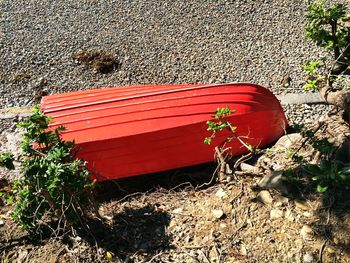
(194, 176)
(133, 231)
(142, 230)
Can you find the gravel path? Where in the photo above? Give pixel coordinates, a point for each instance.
(169, 42)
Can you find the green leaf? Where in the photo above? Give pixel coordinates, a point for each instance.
(313, 169)
(311, 67)
(207, 140)
(321, 189)
(346, 169)
(6, 160)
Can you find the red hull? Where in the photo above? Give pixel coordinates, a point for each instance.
(128, 131)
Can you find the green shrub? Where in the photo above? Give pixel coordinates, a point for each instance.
(53, 183)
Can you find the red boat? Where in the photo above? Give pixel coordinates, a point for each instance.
(128, 131)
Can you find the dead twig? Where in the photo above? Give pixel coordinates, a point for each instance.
(154, 257)
(320, 255)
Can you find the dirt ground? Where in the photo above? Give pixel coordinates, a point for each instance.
(188, 216)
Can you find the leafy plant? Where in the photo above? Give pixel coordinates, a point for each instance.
(220, 123)
(6, 160)
(329, 174)
(295, 156)
(326, 26)
(53, 182)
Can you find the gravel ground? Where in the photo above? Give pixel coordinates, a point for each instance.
(168, 42)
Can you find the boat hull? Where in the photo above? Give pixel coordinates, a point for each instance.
(129, 131)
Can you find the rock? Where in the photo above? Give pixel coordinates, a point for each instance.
(308, 258)
(2, 223)
(265, 197)
(276, 213)
(249, 169)
(277, 204)
(172, 224)
(289, 215)
(282, 199)
(217, 214)
(287, 141)
(307, 214)
(330, 250)
(302, 205)
(220, 193)
(223, 225)
(274, 180)
(306, 232)
(243, 250)
(178, 210)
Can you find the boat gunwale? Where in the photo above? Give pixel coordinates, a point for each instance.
(48, 109)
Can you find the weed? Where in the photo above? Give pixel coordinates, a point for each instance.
(99, 61)
(53, 183)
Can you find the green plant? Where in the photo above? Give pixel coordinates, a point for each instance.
(53, 183)
(6, 160)
(329, 174)
(295, 156)
(219, 123)
(326, 26)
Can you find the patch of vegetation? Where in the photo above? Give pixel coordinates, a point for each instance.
(98, 60)
(53, 183)
(220, 123)
(328, 27)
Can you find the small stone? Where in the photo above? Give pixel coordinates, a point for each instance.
(289, 215)
(282, 199)
(308, 258)
(243, 250)
(265, 197)
(249, 169)
(2, 223)
(330, 250)
(220, 193)
(223, 225)
(306, 232)
(289, 140)
(276, 213)
(302, 205)
(178, 210)
(307, 214)
(274, 180)
(172, 224)
(278, 204)
(217, 213)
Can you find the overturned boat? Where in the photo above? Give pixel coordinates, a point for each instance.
(135, 130)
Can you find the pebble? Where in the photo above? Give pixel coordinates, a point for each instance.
(308, 258)
(173, 42)
(289, 215)
(217, 213)
(220, 193)
(302, 205)
(274, 180)
(306, 232)
(178, 210)
(330, 250)
(287, 141)
(276, 213)
(282, 199)
(265, 197)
